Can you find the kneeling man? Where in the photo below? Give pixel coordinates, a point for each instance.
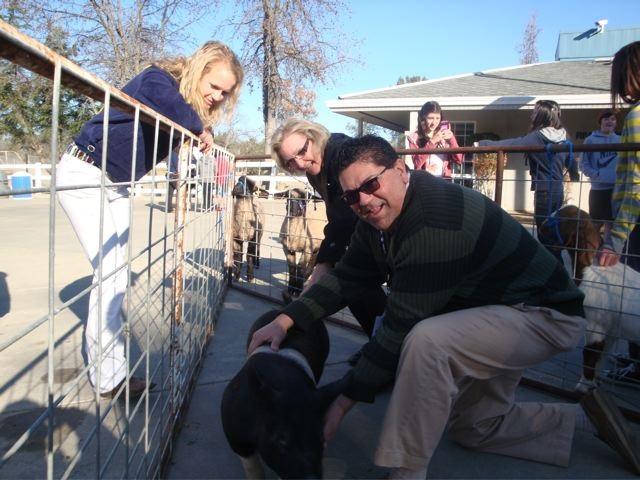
(474, 301)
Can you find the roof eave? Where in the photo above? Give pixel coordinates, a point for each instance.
(468, 103)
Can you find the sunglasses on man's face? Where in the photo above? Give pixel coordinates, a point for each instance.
(372, 185)
(291, 163)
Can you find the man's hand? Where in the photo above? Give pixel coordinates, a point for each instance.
(607, 257)
(318, 271)
(273, 332)
(335, 414)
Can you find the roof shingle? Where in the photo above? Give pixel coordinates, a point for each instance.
(553, 78)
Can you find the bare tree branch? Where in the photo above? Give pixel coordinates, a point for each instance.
(290, 46)
(528, 49)
(117, 39)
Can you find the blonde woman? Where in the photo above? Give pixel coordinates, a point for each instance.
(192, 91)
(300, 146)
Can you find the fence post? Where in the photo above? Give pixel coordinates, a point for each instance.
(499, 172)
(37, 175)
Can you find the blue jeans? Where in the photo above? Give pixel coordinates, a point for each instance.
(545, 203)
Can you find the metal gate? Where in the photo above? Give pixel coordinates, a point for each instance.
(53, 423)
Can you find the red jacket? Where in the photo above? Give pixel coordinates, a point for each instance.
(421, 161)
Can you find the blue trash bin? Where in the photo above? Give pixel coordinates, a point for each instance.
(21, 181)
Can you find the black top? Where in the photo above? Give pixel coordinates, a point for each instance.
(341, 219)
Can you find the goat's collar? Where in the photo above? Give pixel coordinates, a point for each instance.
(291, 354)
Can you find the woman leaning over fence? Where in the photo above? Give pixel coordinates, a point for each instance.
(192, 91)
(301, 146)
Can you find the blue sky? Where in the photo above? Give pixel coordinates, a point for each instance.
(443, 38)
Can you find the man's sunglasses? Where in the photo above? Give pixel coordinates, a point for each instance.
(291, 163)
(372, 185)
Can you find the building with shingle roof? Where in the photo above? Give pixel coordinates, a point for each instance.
(499, 101)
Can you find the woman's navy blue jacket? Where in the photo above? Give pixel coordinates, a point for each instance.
(157, 89)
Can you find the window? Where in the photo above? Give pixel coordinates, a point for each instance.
(464, 132)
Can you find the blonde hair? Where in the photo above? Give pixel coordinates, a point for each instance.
(189, 70)
(313, 131)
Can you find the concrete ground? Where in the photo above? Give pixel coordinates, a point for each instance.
(201, 450)
(90, 435)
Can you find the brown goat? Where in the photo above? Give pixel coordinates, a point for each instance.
(247, 226)
(612, 294)
(572, 229)
(298, 238)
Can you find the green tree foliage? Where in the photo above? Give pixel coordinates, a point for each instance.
(240, 144)
(394, 138)
(26, 102)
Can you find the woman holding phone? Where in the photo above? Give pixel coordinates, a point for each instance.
(434, 132)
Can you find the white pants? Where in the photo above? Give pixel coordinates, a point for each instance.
(82, 206)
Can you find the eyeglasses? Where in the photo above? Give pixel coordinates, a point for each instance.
(370, 186)
(290, 164)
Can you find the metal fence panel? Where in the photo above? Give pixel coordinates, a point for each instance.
(484, 171)
(53, 423)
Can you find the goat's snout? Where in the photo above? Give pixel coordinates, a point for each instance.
(244, 187)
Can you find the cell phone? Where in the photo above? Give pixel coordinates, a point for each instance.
(444, 125)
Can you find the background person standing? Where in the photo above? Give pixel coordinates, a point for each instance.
(434, 132)
(600, 168)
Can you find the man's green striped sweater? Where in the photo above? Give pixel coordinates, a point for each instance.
(450, 248)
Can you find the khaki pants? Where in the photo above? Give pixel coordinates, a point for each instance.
(460, 371)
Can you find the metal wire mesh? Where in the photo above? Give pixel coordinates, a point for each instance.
(480, 171)
(54, 423)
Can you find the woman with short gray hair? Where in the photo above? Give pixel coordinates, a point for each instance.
(300, 146)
